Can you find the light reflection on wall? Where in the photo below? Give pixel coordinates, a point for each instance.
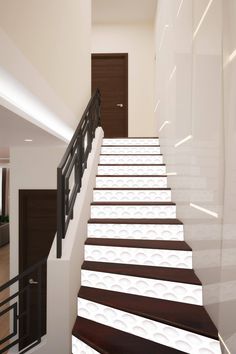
(200, 143)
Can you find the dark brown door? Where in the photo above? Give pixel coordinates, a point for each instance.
(110, 75)
(37, 228)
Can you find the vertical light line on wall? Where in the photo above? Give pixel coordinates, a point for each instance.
(163, 36)
(172, 74)
(202, 18)
(158, 102)
(180, 8)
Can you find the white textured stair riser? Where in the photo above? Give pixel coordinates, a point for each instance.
(131, 141)
(118, 150)
(157, 332)
(137, 231)
(131, 195)
(79, 347)
(136, 159)
(140, 256)
(131, 170)
(156, 288)
(133, 212)
(131, 182)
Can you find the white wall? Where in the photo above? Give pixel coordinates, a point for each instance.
(191, 96)
(137, 41)
(45, 54)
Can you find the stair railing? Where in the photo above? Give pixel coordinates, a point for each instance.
(72, 166)
(69, 181)
(18, 304)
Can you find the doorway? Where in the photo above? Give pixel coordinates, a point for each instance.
(110, 75)
(37, 229)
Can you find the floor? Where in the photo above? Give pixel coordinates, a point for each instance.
(4, 277)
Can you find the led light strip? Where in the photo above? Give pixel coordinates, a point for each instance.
(189, 137)
(157, 106)
(172, 74)
(171, 174)
(163, 125)
(225, 346)
(202, 18)
(180, 7)
(207, 211)
(13, 94)
(163, 35)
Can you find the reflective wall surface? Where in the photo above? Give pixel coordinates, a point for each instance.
(195, 107)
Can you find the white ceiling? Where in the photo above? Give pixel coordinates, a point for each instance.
(14, 129)
(123, 11)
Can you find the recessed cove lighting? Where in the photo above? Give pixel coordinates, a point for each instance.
(28, 140)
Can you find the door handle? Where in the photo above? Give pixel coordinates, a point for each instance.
(32, 282)
(120, 105)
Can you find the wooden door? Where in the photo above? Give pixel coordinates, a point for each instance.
(110, 75)
(37, 229)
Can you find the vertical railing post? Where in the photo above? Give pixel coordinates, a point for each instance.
(60, 211)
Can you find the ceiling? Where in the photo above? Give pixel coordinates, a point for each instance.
(14, 130)
(123, 11)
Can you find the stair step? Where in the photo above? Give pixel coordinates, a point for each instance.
(128, 169)
(106, 340)
(159, 282)
(176, 331)
(144, 252)
(132, 194)
(149, 244)
(153, 229)
(131, 141)
(138, 149)
(131, 159)
(133, 210)
(188, 317)
(123, 181)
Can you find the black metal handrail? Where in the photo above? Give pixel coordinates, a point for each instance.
(14, 303)
(75, 161)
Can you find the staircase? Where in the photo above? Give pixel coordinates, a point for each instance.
(139, 293)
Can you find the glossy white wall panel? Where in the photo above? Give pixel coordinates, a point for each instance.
(193, 105)
(227, 311)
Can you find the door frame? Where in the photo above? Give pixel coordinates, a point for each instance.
(125, 56)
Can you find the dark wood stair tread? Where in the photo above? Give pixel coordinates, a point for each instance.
(128, 146)
(133, 137)
(150, 244)
(107, 340)
(142, 176)
(188, 317)
(134, 203)
(131, 164)
(132, 189)
(136, 221)
(178, 275)
(131, 154)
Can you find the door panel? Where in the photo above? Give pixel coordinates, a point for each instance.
(110, 75)
(37, 229)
